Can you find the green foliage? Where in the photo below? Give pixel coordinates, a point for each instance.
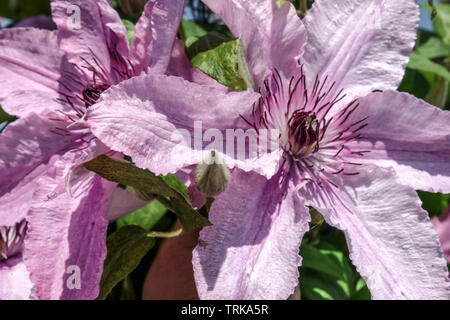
(126, 247)
(441, 22)
(6, 117)
(226, 63)
(433, 48)
(172, 196)
(327, 272)
(146, 217)
(434, 203)
(414, 82)
(20, 9)
(204, 43)
(129, 26)
(422, 63)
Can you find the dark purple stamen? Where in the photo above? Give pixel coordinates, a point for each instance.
(92, 93)
(11, 240)
(315, 143)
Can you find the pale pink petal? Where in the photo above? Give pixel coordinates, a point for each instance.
(407, 134)
(390, 237)
(144, 117)
(31, 65)
(442, 226)
(273, 37)
(179, 66)
(98, 31)
(198, 199)
(65, 243)
(15, 281)
(26, 146)
(251, 251)
(155, 34)
(122, 203)
(363, 45)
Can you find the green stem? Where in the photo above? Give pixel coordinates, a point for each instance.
(303, 8)
(433, 9)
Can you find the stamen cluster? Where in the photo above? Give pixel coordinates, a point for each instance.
(11, 240)
(314, 124)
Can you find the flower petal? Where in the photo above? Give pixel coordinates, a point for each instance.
(442, 226)
(40, 22)
(65, 243)
(391, 240)
(273, 37)
(123, 203)
(143, 117)
(155, 34)
(31, 65)
(26, 146)
(90, 27)
(407, 134)
(254, 226)
(363, 45)
(15, 281)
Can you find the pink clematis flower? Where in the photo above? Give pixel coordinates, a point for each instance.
(49, 79)
(355, 155)
(442, 226)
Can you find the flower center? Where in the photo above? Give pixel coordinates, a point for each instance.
(91, 93)
(316, 140)
(304, 133)
(11, 240)
(82, 86)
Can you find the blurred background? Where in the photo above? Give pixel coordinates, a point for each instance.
(327, 272)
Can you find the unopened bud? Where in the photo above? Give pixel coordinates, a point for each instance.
(211, 176)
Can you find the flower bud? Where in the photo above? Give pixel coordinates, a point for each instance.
(211, 176)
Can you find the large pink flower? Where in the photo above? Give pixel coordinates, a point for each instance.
(354, 154)
(49, 79)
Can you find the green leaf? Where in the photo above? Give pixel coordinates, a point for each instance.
(126, 247)
(422, 63)
(318, 260)
(5, 119)
(362, 291)
(207, 42)
(20, 9)
(194, 29)
(434, 203)
(189, 218)
(175, 183)
(191, 29)
(129, 26)
(437, 95)
(415, 83)
(326, 273)
(225, 64)
(442, 22)
(128, 174)
(434, 48)
(146, 217)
